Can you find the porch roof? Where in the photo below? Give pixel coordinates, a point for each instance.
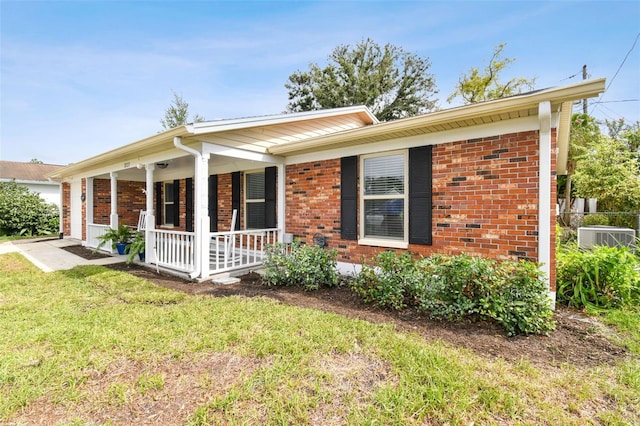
(254, 134)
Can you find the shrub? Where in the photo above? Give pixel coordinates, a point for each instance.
(391, 281)
(452, 284)
(25, 213)
(605, 277)
(595, 219)
(452, 287)
(300, 265)
(517, 298)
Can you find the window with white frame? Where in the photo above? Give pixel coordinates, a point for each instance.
(168, 202)
(254, 200)
(384, 196)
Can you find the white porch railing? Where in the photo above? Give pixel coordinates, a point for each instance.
(227, 250)
(239, 249)
(94, 231)
(174, 249)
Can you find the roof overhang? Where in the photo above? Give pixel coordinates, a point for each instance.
(518, 106)
(286, 126)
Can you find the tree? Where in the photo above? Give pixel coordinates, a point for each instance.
(477, 87)
(584, 134)
(609, 172)
(36, 161)
(178, 114)
(393, 83)
(25, 213)
(628, 134)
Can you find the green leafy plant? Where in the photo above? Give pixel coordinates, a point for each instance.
(517, 298)
(452, 283)
(25, 213)
(137, 246)
(453, 287)
(300, 265)
(605, 277)
(121, 235)
(389, 281)
(595, 219)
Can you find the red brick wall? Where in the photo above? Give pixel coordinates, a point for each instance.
(485, 201)
(225, 209)
(131, 200)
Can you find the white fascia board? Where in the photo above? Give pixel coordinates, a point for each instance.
(268, 120)
(480, 131)
(225, 151)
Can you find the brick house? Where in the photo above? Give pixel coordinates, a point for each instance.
(479, 179)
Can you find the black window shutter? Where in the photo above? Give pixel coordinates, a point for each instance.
(188, 200)
(420, 167)
(235, 196)
(176, 202)
(270, 182)
(213, 203)
(159, 203)
(349, 198)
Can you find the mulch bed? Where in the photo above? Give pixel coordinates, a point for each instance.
(578, 339)
(84, 252)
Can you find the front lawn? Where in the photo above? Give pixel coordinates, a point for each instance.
(97, 346)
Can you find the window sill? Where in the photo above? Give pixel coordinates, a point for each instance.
(379, 242)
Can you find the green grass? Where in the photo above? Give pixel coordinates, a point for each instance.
(92, 340)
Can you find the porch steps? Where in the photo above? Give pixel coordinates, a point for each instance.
(225, 280)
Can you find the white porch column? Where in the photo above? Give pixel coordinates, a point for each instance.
(281, 201)
(544, 197)
(88, 206)
(150, 253)
(201, 200)
(113, 218)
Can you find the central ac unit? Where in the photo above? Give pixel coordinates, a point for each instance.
(590, 236)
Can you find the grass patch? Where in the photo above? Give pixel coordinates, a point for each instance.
(92, 344)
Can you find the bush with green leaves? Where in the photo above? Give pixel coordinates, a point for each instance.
(604, 277)
(596, 219)
(25, 213)
(390, 281)
(301, 265)
(453, 287)
(452, 284)
(517, 298)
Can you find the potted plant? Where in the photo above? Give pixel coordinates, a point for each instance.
(119, 238)
(137, 246)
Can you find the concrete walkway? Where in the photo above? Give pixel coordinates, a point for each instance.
(48, 255)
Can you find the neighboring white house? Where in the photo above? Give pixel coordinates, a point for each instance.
(32, 175)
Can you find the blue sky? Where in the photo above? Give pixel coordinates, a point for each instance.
(78, 78)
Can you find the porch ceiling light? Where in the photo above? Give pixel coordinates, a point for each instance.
(162, 165)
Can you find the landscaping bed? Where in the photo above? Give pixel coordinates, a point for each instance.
(577, 339)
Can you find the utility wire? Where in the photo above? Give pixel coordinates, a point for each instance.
(618, 70)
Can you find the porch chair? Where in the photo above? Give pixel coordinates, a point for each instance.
(142, 220)
(217, 248)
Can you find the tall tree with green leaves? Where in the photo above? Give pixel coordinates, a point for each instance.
(392, 82)
(178, 114)
(584, 135)
(628, 134)
(609, 172)
(478, 86)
